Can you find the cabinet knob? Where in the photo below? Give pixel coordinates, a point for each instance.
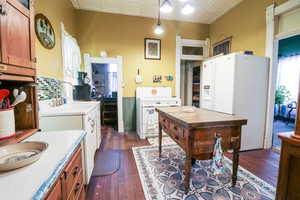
(2, 11)
(34, 59)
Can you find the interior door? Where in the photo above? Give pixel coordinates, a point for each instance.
(15, 30)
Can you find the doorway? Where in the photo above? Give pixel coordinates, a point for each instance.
(286, 93)
(190, 82)
(106, 75)
(105, 88)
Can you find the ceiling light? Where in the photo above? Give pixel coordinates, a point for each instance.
(158, 29)
(187, 9)
(166, 7)
(183, 1)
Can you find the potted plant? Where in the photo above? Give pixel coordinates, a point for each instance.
(282, 94)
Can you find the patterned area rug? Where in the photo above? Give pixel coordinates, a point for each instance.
(166, 140)
(162, 179)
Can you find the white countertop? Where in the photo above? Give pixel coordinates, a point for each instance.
(74, 108)
(34, 181)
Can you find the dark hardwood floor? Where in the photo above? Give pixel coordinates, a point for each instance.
(125, 183)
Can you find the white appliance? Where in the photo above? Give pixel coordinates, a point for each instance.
(237, 84)
(147, 99)
(77, 116)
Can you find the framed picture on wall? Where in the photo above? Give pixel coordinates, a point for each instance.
(44, 31)
(152, 48)
(222, 47)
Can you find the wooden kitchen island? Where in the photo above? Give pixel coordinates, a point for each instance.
(196, 133)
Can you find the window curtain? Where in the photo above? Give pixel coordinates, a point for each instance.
(71, 62)
(288, 74)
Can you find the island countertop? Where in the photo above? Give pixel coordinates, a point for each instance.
(200, 117)
(34, 181)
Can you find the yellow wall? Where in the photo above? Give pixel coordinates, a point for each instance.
(246, 23)
(122, 35)
(49, 62)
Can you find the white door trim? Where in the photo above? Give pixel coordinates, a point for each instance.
(180, 42)
(88, 60)
(271, 51)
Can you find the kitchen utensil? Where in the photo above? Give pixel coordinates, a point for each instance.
(3, 94)
(15, 92)
(20, 155)
(7, 123)
(19, 98)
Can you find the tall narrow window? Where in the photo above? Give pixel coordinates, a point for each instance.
(223, 47)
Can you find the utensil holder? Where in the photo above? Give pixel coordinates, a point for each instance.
(7, 124)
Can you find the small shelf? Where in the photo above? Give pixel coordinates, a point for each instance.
(20, 136)
(110, 111)
(110, 119)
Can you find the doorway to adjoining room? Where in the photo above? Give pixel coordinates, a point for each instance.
(190, 83)
(105, 89)
(287, 84)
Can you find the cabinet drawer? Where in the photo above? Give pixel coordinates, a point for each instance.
(205, 139)
(177, 131)
(77, 188)
(164, 123)
(82, 194)
(73, 172)
(56, 192)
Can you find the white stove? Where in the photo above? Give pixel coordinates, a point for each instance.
(147, 99)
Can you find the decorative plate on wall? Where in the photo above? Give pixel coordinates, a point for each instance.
(44, 31)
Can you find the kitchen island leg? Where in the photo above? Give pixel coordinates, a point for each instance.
(159, 139)
(235, 166)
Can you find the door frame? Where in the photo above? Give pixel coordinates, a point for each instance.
(272, 42)
(88, 60)
(180, 42)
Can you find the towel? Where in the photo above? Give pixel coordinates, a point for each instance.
(218, 158)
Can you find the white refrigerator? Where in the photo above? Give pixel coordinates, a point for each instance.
(237, 84)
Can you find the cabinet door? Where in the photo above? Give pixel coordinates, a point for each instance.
(16, 30)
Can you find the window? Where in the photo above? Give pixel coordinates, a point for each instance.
(188, 50)
(223, 47)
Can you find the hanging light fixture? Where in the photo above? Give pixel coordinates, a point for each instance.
(158, 29)
(187, 9)
(166, 7)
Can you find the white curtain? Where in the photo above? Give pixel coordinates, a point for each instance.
(71, 62)
(288, 74)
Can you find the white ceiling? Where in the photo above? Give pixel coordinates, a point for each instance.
(206, 11)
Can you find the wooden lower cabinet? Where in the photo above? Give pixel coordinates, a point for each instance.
(70, 184)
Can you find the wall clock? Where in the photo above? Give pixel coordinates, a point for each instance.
(44, 31)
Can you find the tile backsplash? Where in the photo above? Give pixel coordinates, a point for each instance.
(49, 88)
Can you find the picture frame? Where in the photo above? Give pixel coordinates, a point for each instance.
(44, 31)
(222, 47)
(152, 48)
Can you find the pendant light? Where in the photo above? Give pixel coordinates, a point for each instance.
(187, 9)
(158, 29)
(166, 7)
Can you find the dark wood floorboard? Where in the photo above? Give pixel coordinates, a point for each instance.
(125, 184)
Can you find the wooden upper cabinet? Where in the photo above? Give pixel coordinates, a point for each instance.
(17, 33)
